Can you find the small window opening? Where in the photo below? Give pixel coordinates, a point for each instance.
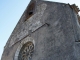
(30, 13)
(30, 10)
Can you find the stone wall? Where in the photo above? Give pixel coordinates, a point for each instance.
(54, 30)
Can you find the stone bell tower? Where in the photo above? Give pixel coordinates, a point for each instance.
(45, 31)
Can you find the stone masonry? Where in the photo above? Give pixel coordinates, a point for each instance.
(46, 31)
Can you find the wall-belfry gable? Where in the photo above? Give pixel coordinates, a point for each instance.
(50, 30)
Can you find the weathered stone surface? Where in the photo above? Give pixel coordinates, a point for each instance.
(54, 30)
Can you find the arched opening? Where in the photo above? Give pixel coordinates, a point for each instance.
(30, 10)
(26, 51)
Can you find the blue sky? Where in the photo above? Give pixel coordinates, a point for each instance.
(10, 13)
